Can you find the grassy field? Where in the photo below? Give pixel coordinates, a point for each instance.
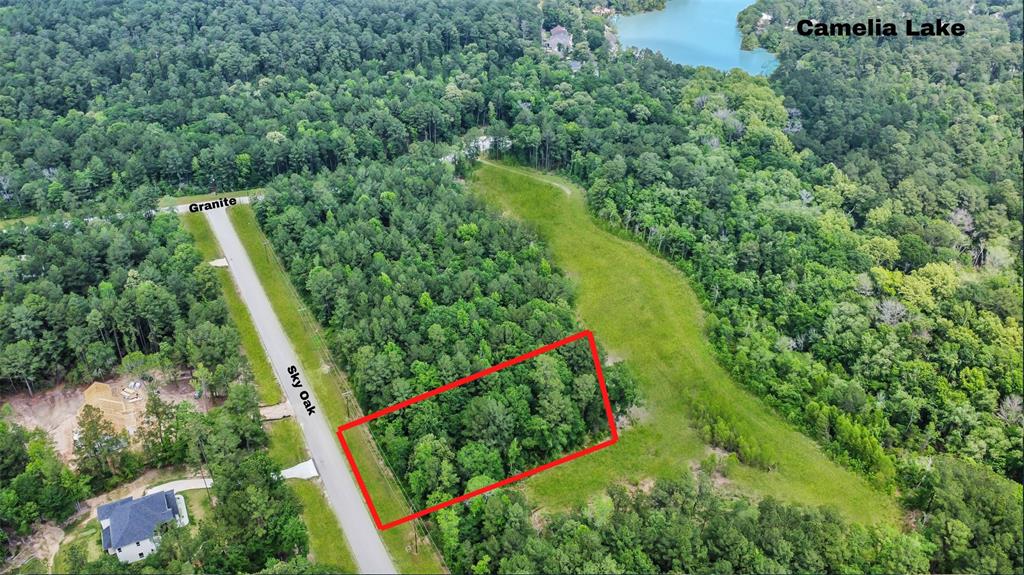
(198, 503)
(287, 448)
(267, 387)
(324, 533)
(33, 566)
(643, 310)
(87, 533)
(27, 220)
(168, 201)
(329, 386)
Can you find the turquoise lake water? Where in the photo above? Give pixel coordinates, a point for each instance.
(696, 33)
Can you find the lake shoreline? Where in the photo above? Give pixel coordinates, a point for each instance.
(694, 33)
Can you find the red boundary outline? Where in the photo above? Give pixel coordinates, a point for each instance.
(566, 458)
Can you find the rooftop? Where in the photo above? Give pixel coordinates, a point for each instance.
(558, 40)
(129, 520)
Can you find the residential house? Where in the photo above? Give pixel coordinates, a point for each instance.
(557, 41)
(131, 527)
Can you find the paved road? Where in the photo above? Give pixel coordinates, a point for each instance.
(342, 494)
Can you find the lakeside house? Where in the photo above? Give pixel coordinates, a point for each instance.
(557, 41)
(131, 527)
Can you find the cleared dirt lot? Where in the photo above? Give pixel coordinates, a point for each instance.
(55, 411)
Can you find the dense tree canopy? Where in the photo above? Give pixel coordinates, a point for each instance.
(932, 129)
(675, 527)
(420, 286)
(78, 296)
(100, 98)
(34, 483)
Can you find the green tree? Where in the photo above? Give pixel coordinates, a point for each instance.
(98, 447)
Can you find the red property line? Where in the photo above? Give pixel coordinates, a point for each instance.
(459, 382)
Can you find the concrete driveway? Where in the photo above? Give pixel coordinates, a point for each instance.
(182, 485)
(305, 470)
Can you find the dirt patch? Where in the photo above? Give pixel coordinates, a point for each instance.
(718, 451)
(538, 520)
(912, 519)
(611, 359)
(42, 543)
(179, 391)
(644, 486)
(636, 415)
(718, 479)
(276, 411)
(55, 410)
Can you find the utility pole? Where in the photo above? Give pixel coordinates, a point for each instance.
(203, 459)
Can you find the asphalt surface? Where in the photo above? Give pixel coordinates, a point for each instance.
(342, 493)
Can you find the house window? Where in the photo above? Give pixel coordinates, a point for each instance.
(138, 543)
(118, 549)
(140, 555)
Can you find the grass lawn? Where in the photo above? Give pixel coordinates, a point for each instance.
(266, 385)
(642, 309)
(326, 540)
(329, 386)
(198, 503)
(168, 201)
(88, 534)
(33, 566)
(27, 220)
(287, 448)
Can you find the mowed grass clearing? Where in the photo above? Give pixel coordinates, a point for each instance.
(266, 385)
(326, 541)
(198, 504)
(170, 201)
(86, 533)
(33, 566)
(329, 386)
(10, 223)
(642, 309)
(287, 447)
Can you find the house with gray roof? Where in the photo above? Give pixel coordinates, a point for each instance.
(131, 527)
(557, 41)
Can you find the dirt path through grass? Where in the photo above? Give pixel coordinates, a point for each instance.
(643, 310)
